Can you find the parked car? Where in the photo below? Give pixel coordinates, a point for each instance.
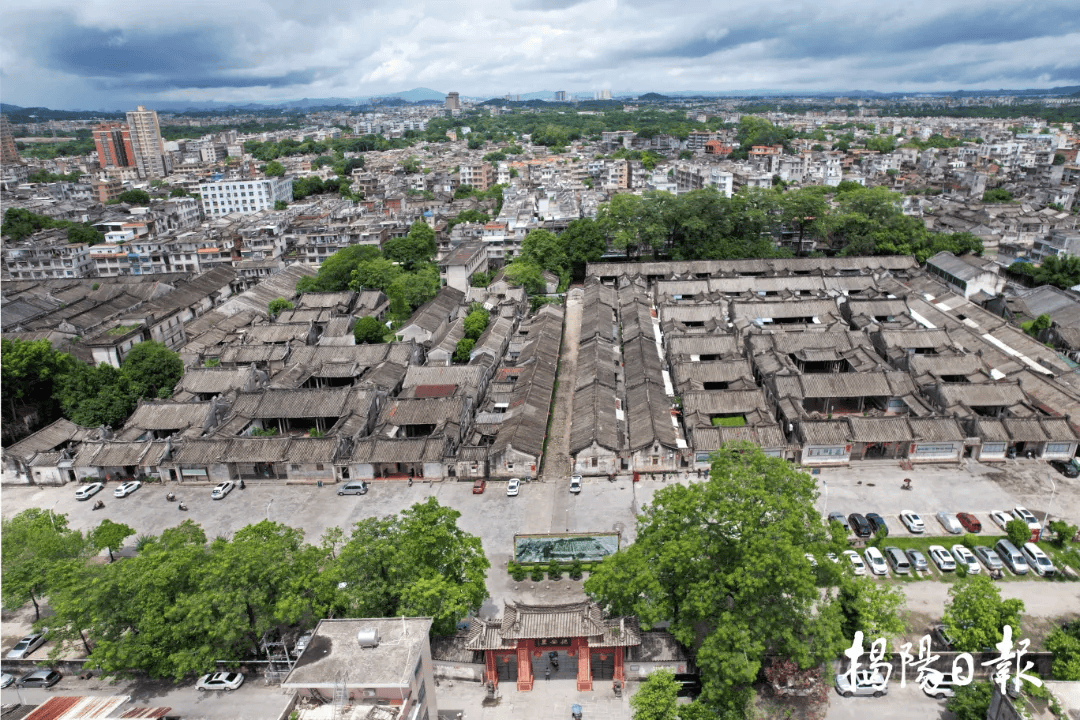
(898, 561)
(39, 679)
(6, 679)
(478, 486)
(354, 487)
(875, 560)
(989, 558)
(969, 522)
(1066, 468)
(126, 488)
(1027, 516)
(965, 557)
(941, 558)
(513, 486)
(831, 557)
(860, 525)
(940, 685)
(28, 644)
(918, 561)
(877, 523)
(912, 522)
(857, 565)
(1001, 517)
(1038, 561)
(810, 559)
(88, 491)
(222, 489)
(942, 634)
(1011, 556)
(867, 682)
(839, 517)
(227, 681)
(950, 523)
(575, 483)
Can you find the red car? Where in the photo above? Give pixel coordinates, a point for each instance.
(970, 522)
(478, 487)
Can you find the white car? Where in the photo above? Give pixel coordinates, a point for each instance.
(127, 488)
(1001, 517)
(912, 522)
(27, 645)
(966, 558)
(575, 483)
(867, 682)
(832, 557)
(6, 680)
(513, 486)
(856, 562)
(941, 557)
(950, 523)
(1038, 560)
(227, 681)
(88, 491)
(1027, 516)
(875, 560)
(220, 491)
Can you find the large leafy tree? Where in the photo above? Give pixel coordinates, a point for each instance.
(544, 248)
(92, 396)
(657, 697)
(527, 275)
(153, 369)
(368, 331)
(976, 613)
(32, 542)
(1064, 643)
(30, 369)
(584, 242)
(414, 249)
(724, 562)
(336, 271)
(110, 536)
(871, 607)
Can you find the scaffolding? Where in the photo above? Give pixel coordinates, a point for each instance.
(279, 661)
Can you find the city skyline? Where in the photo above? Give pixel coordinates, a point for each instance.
(92, 56)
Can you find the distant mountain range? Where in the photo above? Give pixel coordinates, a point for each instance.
(427, 95)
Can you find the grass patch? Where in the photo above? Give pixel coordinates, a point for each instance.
(733, 421)
(122, 330)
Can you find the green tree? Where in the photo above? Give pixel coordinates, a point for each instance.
(179, 192)
(997, 195)
(153, 369)
(476, 323)
(871, 607)
(84, 234)
(31, 543)
(1018, 532)
(1063, 532)
(377, 273)
(30, 370)
(1036, 326)
(463, 349)
(1064, 644)
(976, 614)
(368, 331)
(92, 396)
(280, 204)
(336, 271)
(134, 197)
(527, 275)
(971, 702)
(584, 242)
(414, 249)
(544, 248)
(737, 585)
(110, 536)
(657, 697)
(274, 169)
(277, 306)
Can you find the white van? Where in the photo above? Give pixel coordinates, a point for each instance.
(356, 487)
(1038, 560)
(1013, 558)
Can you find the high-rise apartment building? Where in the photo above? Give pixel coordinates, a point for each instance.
(9, 154)
(453, 102)
(114, 148)
(150, 157)
(560, 96)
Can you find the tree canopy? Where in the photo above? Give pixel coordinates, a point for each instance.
(19, 223)
(976, 614)
(368, 331)
(182, 603)
(724, 562)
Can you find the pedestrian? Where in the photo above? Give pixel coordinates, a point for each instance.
(547, 674)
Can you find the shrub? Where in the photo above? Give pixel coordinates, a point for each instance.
(536, 574)
(1018, 532)
(554, 570)
(517, 571)
(970, 541)
(575, 569)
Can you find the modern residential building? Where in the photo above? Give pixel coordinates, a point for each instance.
(114, 148)
(560, 96)
(477, 175)
(453, 102)
(225, 197)
(150, 156)
(47, 254)
(9, 154)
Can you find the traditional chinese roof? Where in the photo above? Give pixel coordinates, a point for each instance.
(521, 621)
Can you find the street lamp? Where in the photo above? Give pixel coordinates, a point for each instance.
(825, 505)
(268, 509)
(1053, 490)
(567, 519)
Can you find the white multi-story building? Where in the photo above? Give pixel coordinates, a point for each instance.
(244, 196)
(150, 157)
(47, 254)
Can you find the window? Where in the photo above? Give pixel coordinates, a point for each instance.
(592, 462)
(936, 449)
(1058, 448)
(421, 694)
(826, 452)
(318, 466)
(294, 467)
(993, 447)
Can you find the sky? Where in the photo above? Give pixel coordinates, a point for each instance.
(104, 54)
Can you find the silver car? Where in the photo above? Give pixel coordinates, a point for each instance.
(918, 561)
(27, 645)
(950, 523)
(989, 558)
(867, 682)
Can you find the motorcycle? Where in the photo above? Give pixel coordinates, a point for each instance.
(182, 506)
(99, 505)
(171, 497)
